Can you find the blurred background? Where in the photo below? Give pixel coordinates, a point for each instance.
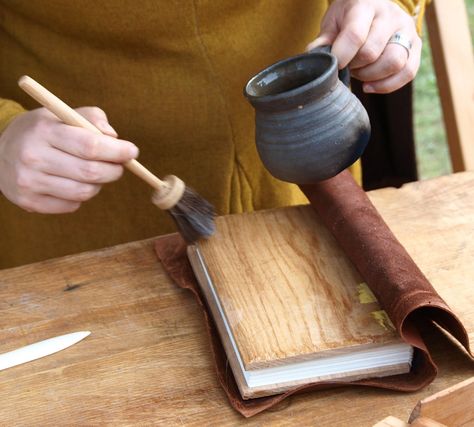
(431, 148)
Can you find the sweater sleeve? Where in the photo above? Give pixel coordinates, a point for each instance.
(8, 111)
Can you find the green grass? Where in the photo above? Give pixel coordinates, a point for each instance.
(430, 137)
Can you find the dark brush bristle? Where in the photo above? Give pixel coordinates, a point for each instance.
(194, 216)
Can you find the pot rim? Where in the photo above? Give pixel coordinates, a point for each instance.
(331, 71)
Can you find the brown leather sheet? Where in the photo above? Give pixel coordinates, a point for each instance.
(401, 288)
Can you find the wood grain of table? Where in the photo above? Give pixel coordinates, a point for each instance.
(147, 361)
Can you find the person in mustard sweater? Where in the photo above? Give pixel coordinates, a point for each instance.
(168, 78)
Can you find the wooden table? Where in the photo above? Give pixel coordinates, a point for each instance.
(147, 361)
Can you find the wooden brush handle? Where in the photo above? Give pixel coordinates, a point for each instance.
(71, 117)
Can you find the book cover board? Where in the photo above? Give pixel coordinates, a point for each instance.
(290, 307)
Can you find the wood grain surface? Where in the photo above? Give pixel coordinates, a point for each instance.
(147, 361)
(288, 291)
(453, 60)
(434, 220)
(452, 407)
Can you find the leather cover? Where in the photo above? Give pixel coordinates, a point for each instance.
(400, 287)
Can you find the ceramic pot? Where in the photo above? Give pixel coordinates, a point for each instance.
(309, 125)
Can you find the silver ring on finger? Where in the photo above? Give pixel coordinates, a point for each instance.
(402, 40)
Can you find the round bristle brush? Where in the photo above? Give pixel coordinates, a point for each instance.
(194, 216)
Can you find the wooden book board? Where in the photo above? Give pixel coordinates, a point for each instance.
(289, 294)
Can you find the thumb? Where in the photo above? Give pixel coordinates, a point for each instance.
(98, 118)
(323, 39)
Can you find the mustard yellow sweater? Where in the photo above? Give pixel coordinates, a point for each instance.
(169, 74)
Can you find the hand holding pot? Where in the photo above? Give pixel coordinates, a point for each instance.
(377, 39)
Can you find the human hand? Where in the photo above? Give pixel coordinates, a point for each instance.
(47, 166)
(359, 32)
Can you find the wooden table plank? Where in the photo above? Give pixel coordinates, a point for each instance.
(147, 361)
(434, 220)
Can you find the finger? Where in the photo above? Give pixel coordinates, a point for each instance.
(61, 164)
(47, 204)
(377, 39)
(65, 189)
(355, 28)
(321, 40)
(29, 181)
(93, 114)
(98, 118)
(400, 79)
(393, 60)
(90, 146)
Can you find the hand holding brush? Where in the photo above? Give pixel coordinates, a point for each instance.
(193, 215)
